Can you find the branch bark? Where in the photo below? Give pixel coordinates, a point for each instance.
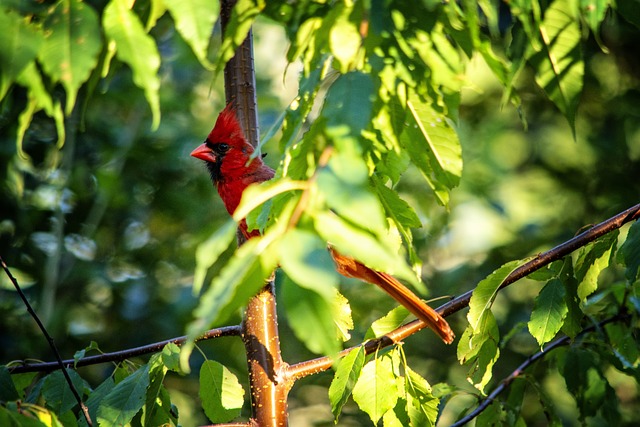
(260, 326)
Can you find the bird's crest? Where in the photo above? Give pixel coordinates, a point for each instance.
(227, 127)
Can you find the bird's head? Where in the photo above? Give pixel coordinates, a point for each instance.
(226, 149)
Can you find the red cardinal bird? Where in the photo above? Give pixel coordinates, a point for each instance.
(228, 154)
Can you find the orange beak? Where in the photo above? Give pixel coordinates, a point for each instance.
(203, 152)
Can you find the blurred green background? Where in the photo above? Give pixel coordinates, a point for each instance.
(102, 233)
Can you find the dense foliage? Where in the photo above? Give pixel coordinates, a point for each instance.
(461, 138)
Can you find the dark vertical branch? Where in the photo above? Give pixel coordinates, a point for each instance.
(260, 325)
(240, 79)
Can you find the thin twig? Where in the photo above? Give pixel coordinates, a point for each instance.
(309, 367)
(85, 410)
(118, 356)
(505, 383)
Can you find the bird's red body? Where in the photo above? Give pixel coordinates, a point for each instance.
(228, 157)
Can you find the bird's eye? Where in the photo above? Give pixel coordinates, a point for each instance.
(221, 148)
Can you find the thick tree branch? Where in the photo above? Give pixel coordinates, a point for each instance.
(260, 325)
(320, 364)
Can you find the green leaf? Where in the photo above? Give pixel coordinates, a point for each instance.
(221, 394)
(422, 405)
(343, 184)
(594, 12)
(387, 323)
(157, 372)
(624, 344)
(347, 374)
(72, 45)
(344, 37)
(194, 21)
(15, 419)
(376, 390)
(548, 312)
(171, 357)
(559, 65)
(96, 396)
(629, 253)
(396, 208)
(20, 42)
(310, 315)
(240, 279)
(433, 147)
(584, 379)
(208, 252)
(135, 48)
(485, 292)
(590, 262)
(480, 350)
(573, 320)
(306, 260)
(125, 400)
(348, 103)
(7, 388)
(357, 243)
(342, 316)
(58, 394)
(39, 99)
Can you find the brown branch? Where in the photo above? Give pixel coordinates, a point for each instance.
(505, 383)
(260, 325)
(118, 356)
(309, 367)
(76, 395)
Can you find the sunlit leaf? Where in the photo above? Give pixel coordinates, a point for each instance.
(388, 323)
(194, 21)
(72, 45)
(342, 318)
(157, 372)
(135, 48)
(434, 148)
(344, 185)
(549, 312)
(20, 42)
(485, 292)
(348, 103)
(310, 315)
(376, 390)
(357, 243)
(422, 405)
(221, 394)
(306, 260)
(559, 65)
(344, 37)
(208, 252)
(590, 262)
(39, 99)
(255, 195)
(347, 373)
